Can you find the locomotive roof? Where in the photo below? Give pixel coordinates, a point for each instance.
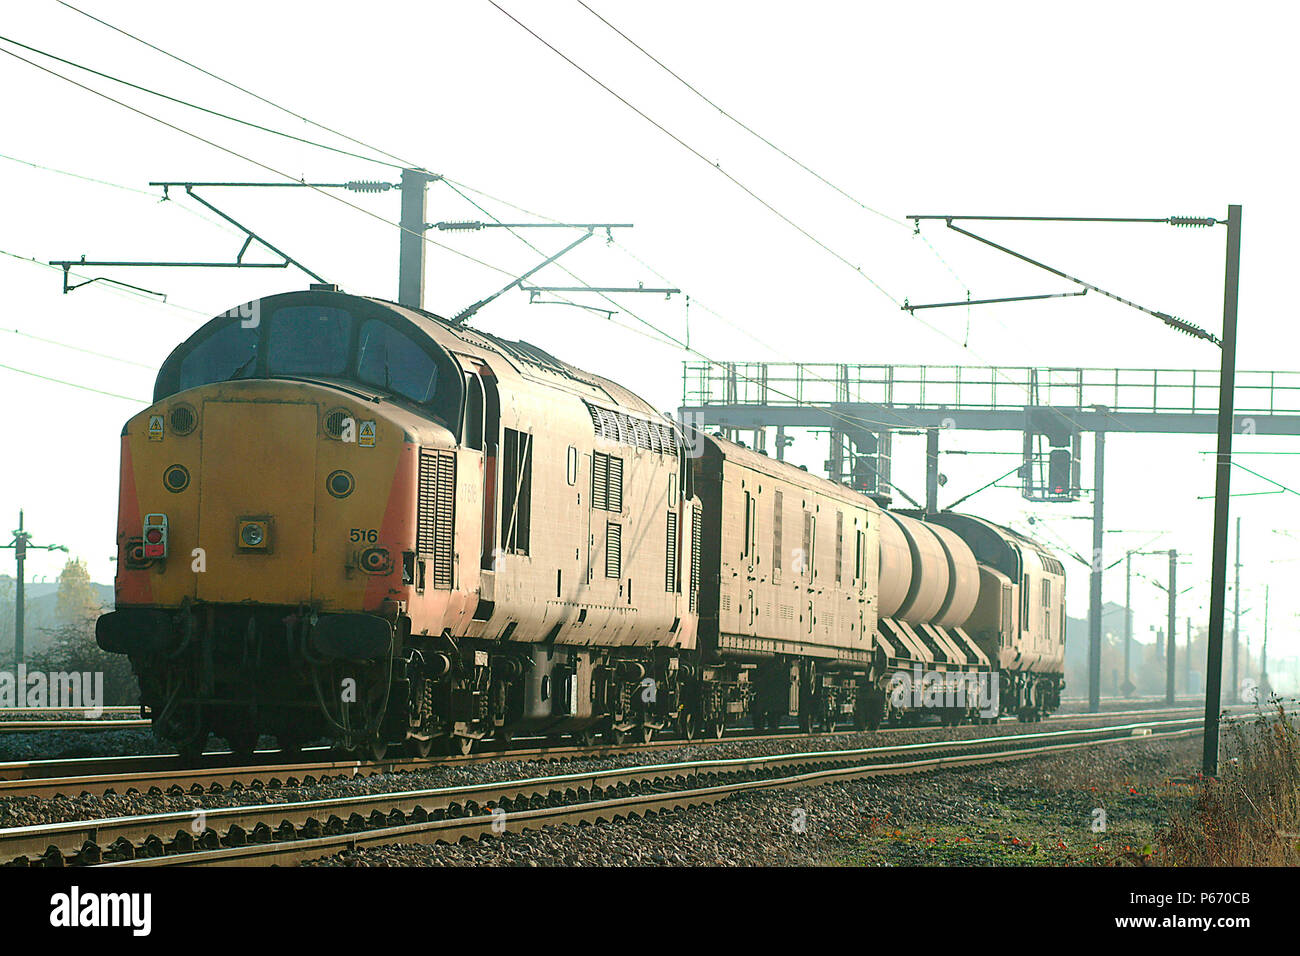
(507, 359)
(527, 359)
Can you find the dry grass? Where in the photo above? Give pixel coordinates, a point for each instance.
(1250, 815)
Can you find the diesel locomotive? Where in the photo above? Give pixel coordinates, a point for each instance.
(346, 518)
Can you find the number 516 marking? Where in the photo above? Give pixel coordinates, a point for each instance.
(369, 535)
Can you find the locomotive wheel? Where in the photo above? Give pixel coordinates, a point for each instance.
(290, 744)
(242, 743)
(191, 750)
(419, 748)
(686, 725)
(189, 737)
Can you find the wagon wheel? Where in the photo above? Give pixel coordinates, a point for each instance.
(460, 745)
(377, 749)
(717, 728)
(647, 734)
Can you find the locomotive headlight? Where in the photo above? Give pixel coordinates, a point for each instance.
(254, 534)
(340, 484)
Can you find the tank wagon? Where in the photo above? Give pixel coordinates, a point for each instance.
(346, 518)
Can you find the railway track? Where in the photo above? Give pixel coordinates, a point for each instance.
(107, 775)
(282, 833)
(20, 713)
(47, 726)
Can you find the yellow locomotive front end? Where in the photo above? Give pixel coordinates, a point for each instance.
(269, 493)
(267, 521)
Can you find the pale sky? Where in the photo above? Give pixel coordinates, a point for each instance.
(999, 108)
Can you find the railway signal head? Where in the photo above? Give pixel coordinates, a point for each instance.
(1058, 473)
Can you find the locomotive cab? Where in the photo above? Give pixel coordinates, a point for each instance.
(269, 528)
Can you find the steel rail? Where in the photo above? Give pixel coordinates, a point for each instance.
(86, 840)
(112, 709)
(46, 726)
(99, 775)
(76, 775)
(593, 811)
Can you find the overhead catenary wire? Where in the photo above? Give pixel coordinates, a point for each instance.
(77, 348)
(196, 106)
(84, 388)
(695, 152)
(748, 129)
(88, 179)
(261, 165)
(763, 139)
(236, 86)
(224, 227)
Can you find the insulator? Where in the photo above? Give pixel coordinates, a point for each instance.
(1192, 221)
(368, 186)
(1187, 327)
(447, 226)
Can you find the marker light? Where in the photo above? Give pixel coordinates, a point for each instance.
(155, 536)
